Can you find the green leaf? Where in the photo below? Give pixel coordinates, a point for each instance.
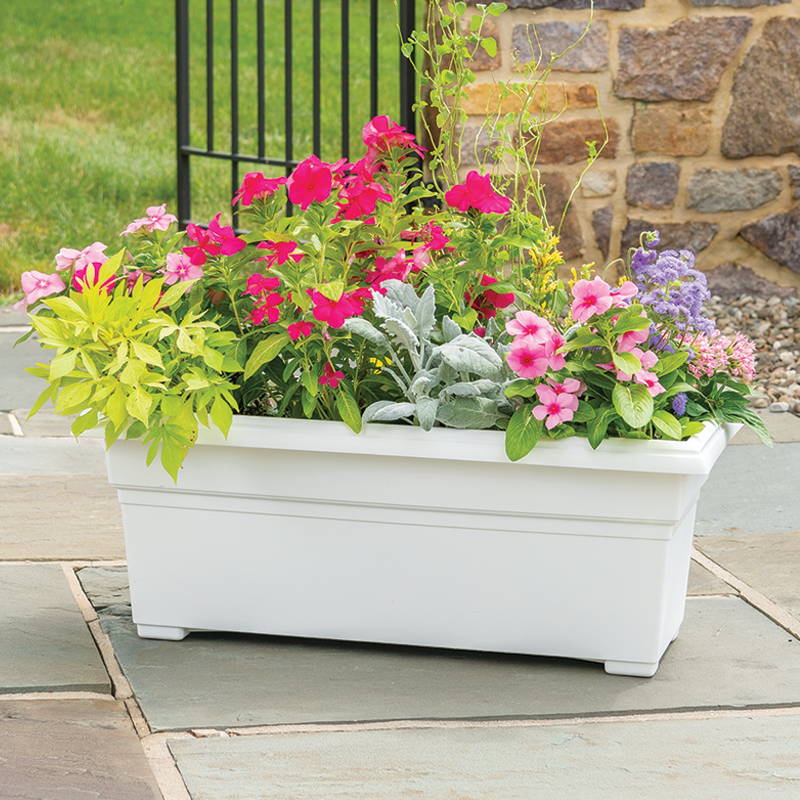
(115, 408)
(310, 382)
(333, 290)
(633, 403)
(172, 457)
(626, 362)
(522, 433)
(466, 320)
(73, 396)
(691, 427)
(174, 293)
(521, 387)
(266, 350)
(597, 427)
(138, 404)
(490, 46)
(671, 362)
(221, 415)
(667, 424)
(475, 22)
(66, 308)
(630, 322)
(348, 410)
(84, 422)
(49, 393)
(309, 403)
(496, 9)
(147, 353)
(62, 365)
(584, 413)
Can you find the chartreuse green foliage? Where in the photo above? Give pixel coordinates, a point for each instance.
(124, 362)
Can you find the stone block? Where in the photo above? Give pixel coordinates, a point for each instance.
(481, 61)
(565, 142)
(764, 116)
(577, 48)
(495, 98)
(777, 236)
(683, 61)
(653, 184)
(731, 280)
(695, 236)
(671, 129)
(557, 191)
(717, 190)
(599, 183)
(602, 221)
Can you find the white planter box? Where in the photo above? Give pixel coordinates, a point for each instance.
(302, 528)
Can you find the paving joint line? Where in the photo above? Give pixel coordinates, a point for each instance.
(455, 724)
(121, 687)
(779, 615)
(65, 695)
(110, 562)
(164, 768)
(16, 428)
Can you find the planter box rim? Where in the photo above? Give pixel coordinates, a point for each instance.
(693, 456)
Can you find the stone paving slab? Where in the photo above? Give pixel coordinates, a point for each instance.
(18, 389)
(45, 644)
(769, 562)
(5, 425)
(71, 750)
(46, 423)
(10, 316)
(783, 428)
(753, 489)
(736, 758)
(29, 455)
(725, 650)
(703, 582)
(48, 517)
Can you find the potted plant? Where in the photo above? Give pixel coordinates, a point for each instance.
(385, 420)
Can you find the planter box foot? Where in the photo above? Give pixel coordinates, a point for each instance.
(161, 632)
(637, 669)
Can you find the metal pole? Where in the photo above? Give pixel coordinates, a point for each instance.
(182, 109)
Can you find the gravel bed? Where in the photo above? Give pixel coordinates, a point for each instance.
(774, 324)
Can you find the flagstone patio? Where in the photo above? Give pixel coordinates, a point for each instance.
(87, 709)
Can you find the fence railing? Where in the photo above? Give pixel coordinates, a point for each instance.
(251, 18)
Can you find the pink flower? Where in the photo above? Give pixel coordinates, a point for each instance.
(591, 298)
(526, 323)
(180, 268)
(381, 134)
(37, 285)
(358, 199)
(67, 257)
(257, 284)
(720, 353)
(622, 295)
(157, 219)
(629, 340)
(528, 358)
(254, 185)
(552, 346)
(420, 258)
(488, 301)
(477, 192)
(279, 252)
(299, 330)
(396, 267)
(332, 377)
(310, 182)
(650, 380)
(567, 386)
(225, 238)
(335, 312)
(556, 407)
(89, 275)
(268, 307)
(431, 235)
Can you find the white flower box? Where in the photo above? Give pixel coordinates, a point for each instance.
(302, 528)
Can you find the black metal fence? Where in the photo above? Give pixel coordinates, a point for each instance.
(250, 18)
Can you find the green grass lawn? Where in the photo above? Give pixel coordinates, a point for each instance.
(87, 120)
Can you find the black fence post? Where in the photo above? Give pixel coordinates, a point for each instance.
(408, 76)
(182, 109)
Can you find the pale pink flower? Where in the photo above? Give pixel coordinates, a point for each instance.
(180, 268)
(526, 323)
(528, 357)
(37, 285)
(720, 353)
(567, 386)
(556, 407)
(157, 219)
(591, 298)
(650, 380)
(93, 254)
(622, 295)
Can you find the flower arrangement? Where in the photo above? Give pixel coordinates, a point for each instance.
(382, 298)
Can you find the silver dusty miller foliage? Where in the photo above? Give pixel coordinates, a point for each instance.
(447, 376)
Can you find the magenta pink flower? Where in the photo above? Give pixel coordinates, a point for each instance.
(431, 235)
(330, 376)
(556, 407)
(622, 295)
(279, 252)
(67, 257)
(255, 185)
(180, 268)
(358, 199)
(224, 236)
(477, 192)
(89, 275)
(397, 267)
(157, 219)
(37, 285)
(381, 134)
(528, 358)
(526, 323)
(591, 298)
(132, 276)
(311, 182)
(258, 284)
(217, 240)
(299, 330)
(335, 312)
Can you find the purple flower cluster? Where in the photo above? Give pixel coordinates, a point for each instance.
(670, 285)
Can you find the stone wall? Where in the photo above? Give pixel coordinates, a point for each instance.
(701, 99)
